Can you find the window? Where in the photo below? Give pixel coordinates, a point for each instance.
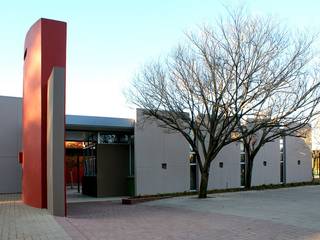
(282, 159)
(242, 174)
(281, 141)
(242, 165)
(193, 171)
(90, 154)
(281, 172)
(316, 163)
(110, 138)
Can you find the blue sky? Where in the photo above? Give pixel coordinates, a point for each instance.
(109, 41)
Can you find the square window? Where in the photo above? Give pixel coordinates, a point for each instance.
(164, 166)
(221, 164)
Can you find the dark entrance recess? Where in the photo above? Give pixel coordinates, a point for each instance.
(104, 161)
(74, 164)
(107, 158)
(108, 165)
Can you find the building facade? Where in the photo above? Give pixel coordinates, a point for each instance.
(41, 147)
(159, 160)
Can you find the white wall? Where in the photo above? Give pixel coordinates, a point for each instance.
(10, 144)
(296, 149)
(229, 175)
(154, 146)
(269, 174)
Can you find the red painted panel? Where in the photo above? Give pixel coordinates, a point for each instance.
(45, 47)
(74, 178)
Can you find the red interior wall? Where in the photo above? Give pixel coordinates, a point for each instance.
(45, 47)
(74, 175)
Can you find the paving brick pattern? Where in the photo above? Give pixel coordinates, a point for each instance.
(106, 220)
(18, 221)
(177, 218)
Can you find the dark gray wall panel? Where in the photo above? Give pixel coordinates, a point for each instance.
(112, 169)
(10, 144)
(55, 142)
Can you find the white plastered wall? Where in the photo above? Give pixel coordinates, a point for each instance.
(10, 144)
(298, 150)
(229, 175)
(155, 146)
(269, 174)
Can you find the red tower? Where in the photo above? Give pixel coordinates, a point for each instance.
(45, 48)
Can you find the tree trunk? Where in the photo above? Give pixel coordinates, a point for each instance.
(204, 184)
(248, 176)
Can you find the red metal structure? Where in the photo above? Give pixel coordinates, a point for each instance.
(45, 48)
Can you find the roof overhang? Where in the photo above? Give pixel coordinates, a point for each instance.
(90, 123)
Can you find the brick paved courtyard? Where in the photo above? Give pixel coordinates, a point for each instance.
(18, 221)
(292, 213)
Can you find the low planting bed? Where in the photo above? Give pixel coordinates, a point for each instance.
(145, 198)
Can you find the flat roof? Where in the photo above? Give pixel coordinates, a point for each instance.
(91, 123)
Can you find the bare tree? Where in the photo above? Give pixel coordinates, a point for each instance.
(289, 109)
(222, 75)
(254, 142)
